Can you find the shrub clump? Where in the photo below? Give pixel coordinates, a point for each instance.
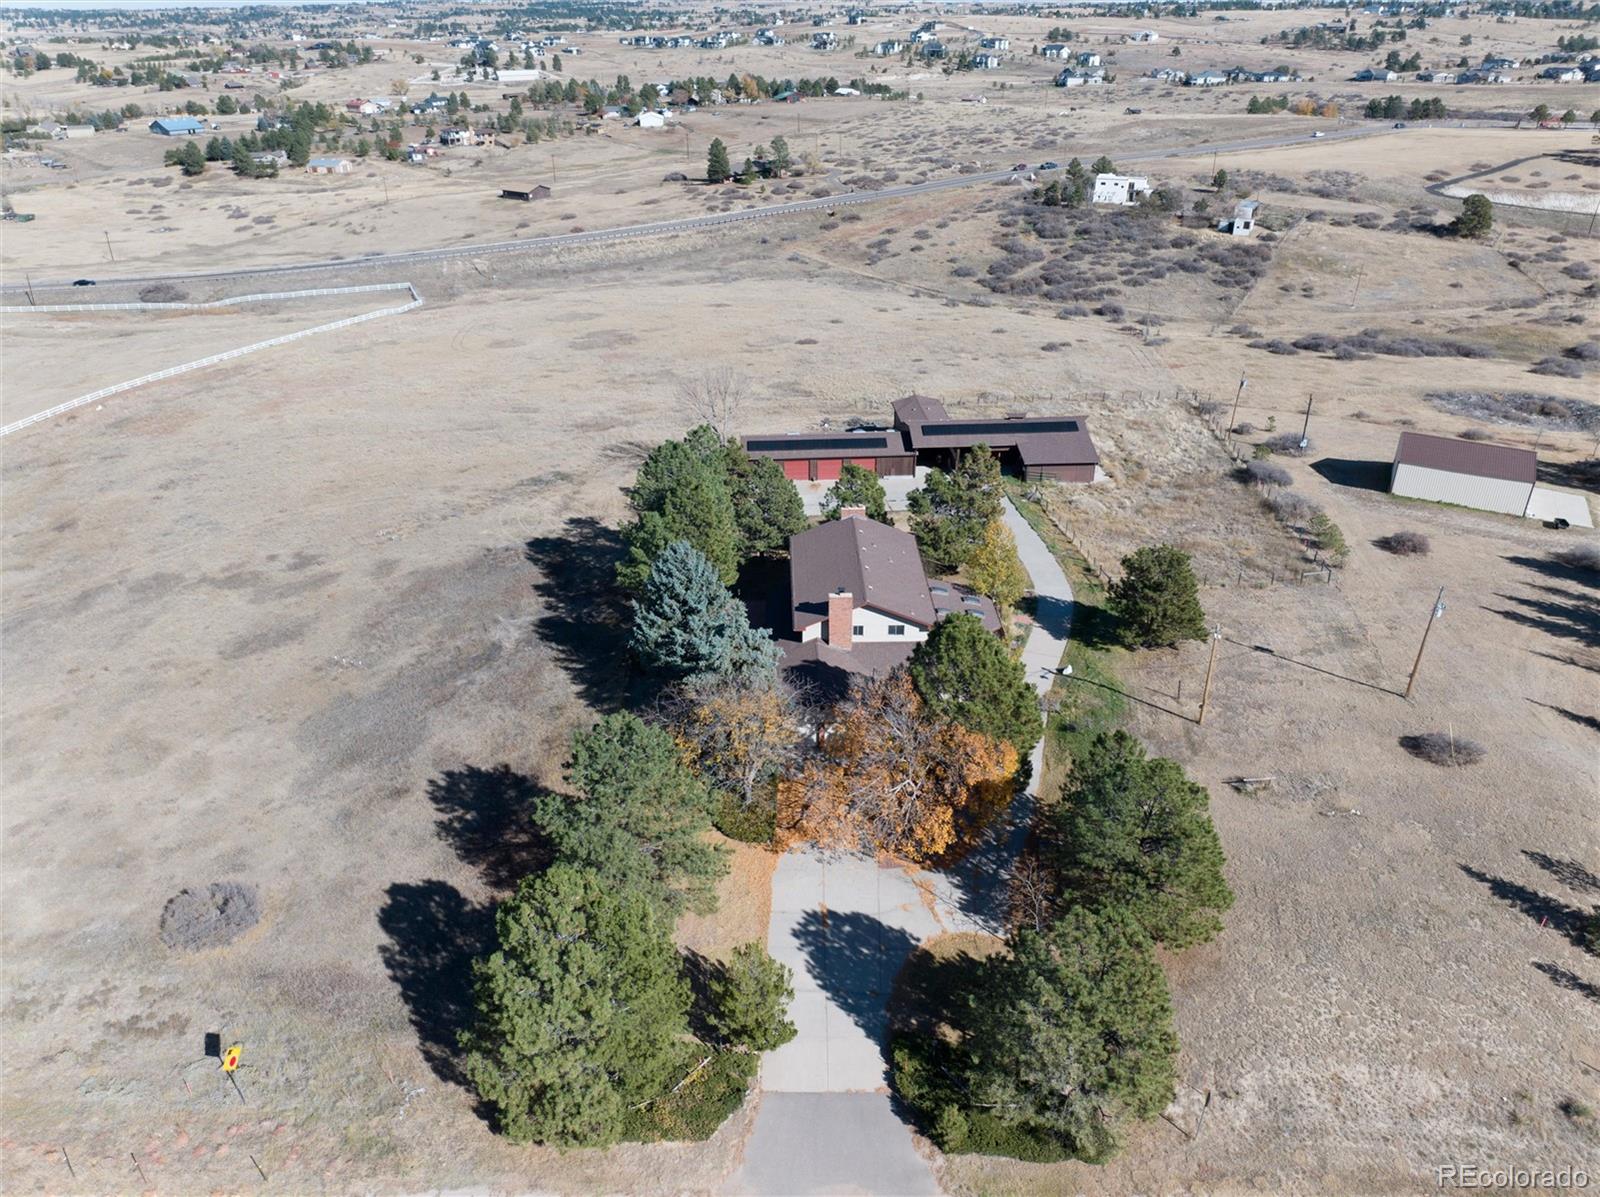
(1580, 556)
(1290, 444)
(1265, 474)
(1443, 749)
(1405, 544)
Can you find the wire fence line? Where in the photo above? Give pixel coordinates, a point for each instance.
(228, 355)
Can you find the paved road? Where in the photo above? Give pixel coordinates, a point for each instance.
(845, 926)
(694, 223)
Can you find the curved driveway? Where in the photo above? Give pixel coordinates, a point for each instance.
(694, 223)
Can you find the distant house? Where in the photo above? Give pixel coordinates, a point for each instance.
(845, 91)
(1436, 77)
(934, 49)
(177, 126)
(1071, 77)
(1169, 75)
(1501, 64)
(525, 194)
(824, 39)
(329, 166)
(1206, 79)
(1562, 74)
(456, 137)
(885, 49)
(1147, 36)
(1374, 75)
(270, 157)
(987, 62)
(786, 97)
(364, 107)
(996, 43)
(860, 601)
(1088, 58)
(1476, 474)
(1243, 223)
(67, 132)
(1120, 189)
(1052, 50)
(650, 120)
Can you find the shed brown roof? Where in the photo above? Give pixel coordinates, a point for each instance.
(1467, 457)
(1038, 440)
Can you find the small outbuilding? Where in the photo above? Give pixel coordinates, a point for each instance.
(537, 191)
(1125, 190)
(329, 166)
(1243, 223)
(176, 126)
(1476, 474)
(650, 120)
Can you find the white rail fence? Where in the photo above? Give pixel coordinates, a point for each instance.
(200, 363)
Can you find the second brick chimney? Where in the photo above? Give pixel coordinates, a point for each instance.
(841, 611)
(849, 512)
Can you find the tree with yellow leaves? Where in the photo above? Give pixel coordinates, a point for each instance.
(892, 777)
(994, 570)
(736, 736)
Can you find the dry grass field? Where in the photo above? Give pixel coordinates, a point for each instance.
(321, 621)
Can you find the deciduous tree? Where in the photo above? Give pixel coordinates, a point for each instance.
(1132, 832)
(994, 568)
(1071, 1034)
(738, 736)
(580, 1011)
(893, 777)
(637, 815)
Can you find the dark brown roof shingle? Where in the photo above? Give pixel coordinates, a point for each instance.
(1467, 457)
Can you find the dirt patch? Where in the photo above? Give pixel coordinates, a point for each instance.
(213, 917)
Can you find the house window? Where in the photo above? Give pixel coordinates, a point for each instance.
(897, 629)
(858, 630)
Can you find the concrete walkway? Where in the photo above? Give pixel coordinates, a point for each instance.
(845, 925)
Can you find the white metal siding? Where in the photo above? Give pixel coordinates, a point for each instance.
(1464, 490)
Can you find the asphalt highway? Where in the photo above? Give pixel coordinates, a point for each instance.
(695, 223)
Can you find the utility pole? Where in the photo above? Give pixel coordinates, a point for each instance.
(1211, 665)
(109, 250)
(1360, 269)
(1243, 382)
(29, 277)
(1305, 428)
(1435, 613)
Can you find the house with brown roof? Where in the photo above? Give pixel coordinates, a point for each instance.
(1478, 474)
(860, 601)
(1034, 447)
(924, 434)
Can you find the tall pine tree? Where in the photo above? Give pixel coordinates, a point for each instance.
(717, 168)
(581, 1011)
(1157, 600)
(637, 816)
(1133, 832)
(687, 624)
(965, 673)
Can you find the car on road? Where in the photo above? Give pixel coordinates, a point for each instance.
(1049, 166)
(83, 282)
(1319, 133)
(1399, 124)
(1019, 166)
(1132, 111)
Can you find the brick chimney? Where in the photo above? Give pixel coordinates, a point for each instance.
(850, 512)
(841, 612)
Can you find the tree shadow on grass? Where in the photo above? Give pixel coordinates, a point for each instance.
(1582, 720)
(435, 933)
(486, 815)
(853, 957)
(1569, 921)
(584, 618)
(1569, 872)
(1579, 620)
(1093, 626)
(1568, 979)
(1564, 574)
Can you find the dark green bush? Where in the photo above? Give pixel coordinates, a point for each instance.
(695, 1111)
(753, 824)
(921, 1074)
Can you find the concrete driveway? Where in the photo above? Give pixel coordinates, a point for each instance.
(845, 926)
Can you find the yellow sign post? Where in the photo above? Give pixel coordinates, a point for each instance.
(230, 1058)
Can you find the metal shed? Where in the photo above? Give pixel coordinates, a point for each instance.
(1443, 469)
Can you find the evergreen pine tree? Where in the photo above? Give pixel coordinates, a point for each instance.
(688, 625)
(1071, 1033)
(750, 997)
(767, 509)
(717, 168)
(580, 1011)
(1157, 600)
(965, 673)
(1134, 833)
(856, 487)
(637, 817)
(950, 511)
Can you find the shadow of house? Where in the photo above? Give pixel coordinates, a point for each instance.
(1550, 912)
(1359, 475)
(585, 618)
(435, 933)
(486, 815)
(854, 958)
